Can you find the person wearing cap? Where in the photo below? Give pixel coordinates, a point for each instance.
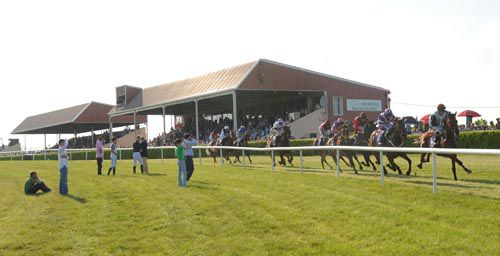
(437, 123)
(324, 131)
(241, 134)
(144, 155)
(277, 130)
(137, 154)
(384, 124)
(360, 123)
(188, 143)
(225, 133)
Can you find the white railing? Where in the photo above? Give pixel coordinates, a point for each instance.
(380, 150)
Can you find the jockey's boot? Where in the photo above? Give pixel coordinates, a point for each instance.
(435, 140)
(381, 138)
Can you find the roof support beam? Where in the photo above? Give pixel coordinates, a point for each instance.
(196, 118)
(235, 112)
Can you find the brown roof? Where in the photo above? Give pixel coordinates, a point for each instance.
(217, 82)
(81, 118)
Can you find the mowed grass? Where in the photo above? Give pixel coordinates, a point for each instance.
(231, 211)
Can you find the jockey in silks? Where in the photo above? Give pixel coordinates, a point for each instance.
(225, 133)
(213, 137)
(277, 130)
(241, 134)
(336, 129)
(437, 123)
(324, 131)
(384, 124)
(360, 123)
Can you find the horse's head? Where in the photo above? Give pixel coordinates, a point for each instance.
(398, 134)
(286, 131)
(451, 124)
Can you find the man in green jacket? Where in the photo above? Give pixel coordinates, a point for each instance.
(33, 184)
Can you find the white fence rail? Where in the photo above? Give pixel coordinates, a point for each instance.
(380, 150)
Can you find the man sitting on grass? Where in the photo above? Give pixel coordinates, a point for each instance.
(33, 184)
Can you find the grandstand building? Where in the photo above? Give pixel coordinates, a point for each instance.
(259, 88)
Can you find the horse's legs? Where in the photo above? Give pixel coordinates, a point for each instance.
(367, 155)
(422, 160)
(322, 159)
(282, 161)
(405, 157)
(394, 166)
(324, 155)
(342, 157)
(453, 167)
(249, 159)
(351, 161)
(290, 158)
(357, 160)
(467, 170)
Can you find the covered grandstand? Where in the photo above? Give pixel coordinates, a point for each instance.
(261, 88)
(88, 117)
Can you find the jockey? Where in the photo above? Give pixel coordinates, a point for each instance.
(324, 131)
(224, 133)
(437, 123)
(277, 129)
(360, 123)
(336, 126)
(241, 133)
(213, 136)
(384, 124)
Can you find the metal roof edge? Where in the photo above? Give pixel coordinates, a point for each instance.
(41, 127)
(81, 111)
(247, 74)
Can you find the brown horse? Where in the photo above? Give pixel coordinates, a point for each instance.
(364, 140)
(213, 152)
(448, 140)
(228, 141)
(345, 140)
(237, 153)
(282, 141)
(324, 153)
(396, 137)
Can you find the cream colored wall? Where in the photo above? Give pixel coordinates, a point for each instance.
(308, 124)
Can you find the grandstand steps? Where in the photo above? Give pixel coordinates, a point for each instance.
(303, 127)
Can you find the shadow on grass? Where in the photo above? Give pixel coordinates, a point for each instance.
(492, 182)
(202, 185)
(429, 183)
(81, 200)
(156, 174)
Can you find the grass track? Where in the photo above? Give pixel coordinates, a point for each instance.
(230, 211)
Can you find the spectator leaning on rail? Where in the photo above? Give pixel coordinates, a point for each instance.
(437, 123)
(33, 184)
(63, 166)
(113, 156)
(188, 154)
(137, 154)
(99, 154)
(384, 124)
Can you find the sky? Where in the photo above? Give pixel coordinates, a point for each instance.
(55, 54)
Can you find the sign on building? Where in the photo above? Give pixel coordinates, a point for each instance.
(364, 105)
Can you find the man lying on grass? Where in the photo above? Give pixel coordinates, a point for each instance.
(33, 184)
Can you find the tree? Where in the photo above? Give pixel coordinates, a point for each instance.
(481, 123)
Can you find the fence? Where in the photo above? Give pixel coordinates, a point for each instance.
(434, 151)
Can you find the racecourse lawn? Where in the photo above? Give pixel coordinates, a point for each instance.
(231, 211)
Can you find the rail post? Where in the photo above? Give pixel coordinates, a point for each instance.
(434, 174)
(71, 155)
(272, 157)
(199, 154)
(86, 155)
(244, 166)
(338, 163)
(161, 150)
(120, 152)
(381, 156)
(221, 158)
(301, 162)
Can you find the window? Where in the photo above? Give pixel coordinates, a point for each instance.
(338, 105)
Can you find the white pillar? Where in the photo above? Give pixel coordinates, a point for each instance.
(92, 135)
(110, 129)
(135, 124)
(235, 110)
(197, 122)
(44, 141)
(74, 146)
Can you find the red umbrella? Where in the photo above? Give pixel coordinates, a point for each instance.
(469, 113)
(425, 119)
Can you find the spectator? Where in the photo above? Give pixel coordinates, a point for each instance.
(144, 155)
(181, 161)
(33, 184)
(99, 154)
(497, 126)
(113, 156)
(188, 154)
(137, 154)
(63, 167)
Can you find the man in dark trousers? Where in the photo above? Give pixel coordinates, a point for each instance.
(137, 154)
(144, 155)
(188, 154)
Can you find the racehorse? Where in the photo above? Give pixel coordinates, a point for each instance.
(363, 140)
(395, 137)
(282, 141)
(213, 152)
(447, 140)
(241, 143)
(228, 141)
(343, 139)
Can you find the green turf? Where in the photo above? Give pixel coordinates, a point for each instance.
(230, 211)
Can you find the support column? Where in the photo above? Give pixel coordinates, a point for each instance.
(92, 140)
(164, 134)
(74, 146)
(44, 141)
(110, 129)
(135, 125)
(235, 110)
(197, 121)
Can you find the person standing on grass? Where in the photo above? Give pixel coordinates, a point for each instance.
(144, 155)
(33, 184)
(137, 154)
(181, 161)
(113, 155)
(99, 154)
(189, 142)
(63, 166)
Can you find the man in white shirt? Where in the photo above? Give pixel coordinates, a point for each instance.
(63, 167)
(188, 154)
(113, 155)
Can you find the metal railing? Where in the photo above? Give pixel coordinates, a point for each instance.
(338, 149)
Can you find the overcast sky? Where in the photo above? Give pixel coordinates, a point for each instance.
(55, 54)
